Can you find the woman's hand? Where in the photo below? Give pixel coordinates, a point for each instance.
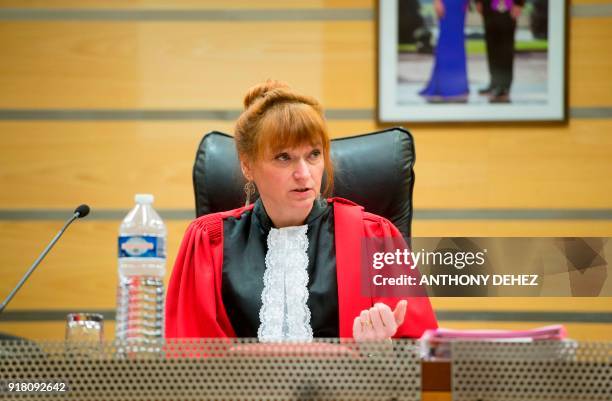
(379, 322)
(439, 7)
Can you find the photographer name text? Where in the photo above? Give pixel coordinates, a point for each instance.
(457, 280)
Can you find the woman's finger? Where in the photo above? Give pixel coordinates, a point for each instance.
(357, 329)
(364, 318)
(400, 312)
(367, 326)
(379, 327)
(386, 315)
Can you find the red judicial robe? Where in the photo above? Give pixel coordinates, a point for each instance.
(194, 304)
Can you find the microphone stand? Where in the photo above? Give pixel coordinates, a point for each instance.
(77, 214)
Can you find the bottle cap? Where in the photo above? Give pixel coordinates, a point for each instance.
(146, 199)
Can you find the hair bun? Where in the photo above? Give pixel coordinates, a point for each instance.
(261, 89)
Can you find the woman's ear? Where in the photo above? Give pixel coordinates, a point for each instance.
(245, 166)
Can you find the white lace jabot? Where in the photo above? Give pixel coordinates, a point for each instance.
(284, 314)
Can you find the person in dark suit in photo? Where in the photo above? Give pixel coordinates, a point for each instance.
(500, 18)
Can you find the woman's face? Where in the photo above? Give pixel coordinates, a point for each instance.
(288, 182)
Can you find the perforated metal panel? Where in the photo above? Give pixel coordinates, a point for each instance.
(207, 369)
(545, 370)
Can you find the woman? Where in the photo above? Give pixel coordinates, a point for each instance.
(448, 82)
(286, 267)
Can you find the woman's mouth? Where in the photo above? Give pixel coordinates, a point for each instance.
(301, 193)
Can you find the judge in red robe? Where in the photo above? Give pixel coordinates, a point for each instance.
(288, 266)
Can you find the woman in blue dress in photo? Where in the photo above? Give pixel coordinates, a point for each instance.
(448, 82)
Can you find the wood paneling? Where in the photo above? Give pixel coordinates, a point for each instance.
(173, 65)
(581, 2)
(535, 167)
(79, 273)
(56, 330)
(209, 4)
(69, 64)
(50, 331)
(209, 64)
(51, 165)
(186, 4)
(589, 63)
(465, 167)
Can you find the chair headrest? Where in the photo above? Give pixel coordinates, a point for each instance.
(374, 170)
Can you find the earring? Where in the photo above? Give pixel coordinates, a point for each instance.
(249, 190)
(322, 201)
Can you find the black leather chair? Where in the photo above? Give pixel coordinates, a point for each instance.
(374, 170)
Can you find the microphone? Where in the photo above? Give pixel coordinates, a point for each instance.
(79, 212)
(82, 211)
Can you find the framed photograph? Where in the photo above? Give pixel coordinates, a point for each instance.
(471, 60)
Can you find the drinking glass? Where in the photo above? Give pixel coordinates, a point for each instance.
(84, 333)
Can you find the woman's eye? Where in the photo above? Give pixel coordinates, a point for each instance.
(315, 154)
(283, 157)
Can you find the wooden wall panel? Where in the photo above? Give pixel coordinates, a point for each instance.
(186, 4)
(467, 167)
(80, 272)
(209, 4)
(580, 2)
(545, 166)
(101, 163)
(69, 64)
(589, 63)
(50, 331)
(588, 2)
(173, 65)
(538, 167)
(578, 331)
(349, 65)
(209, 64)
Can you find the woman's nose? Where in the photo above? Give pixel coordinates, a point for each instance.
(301, 170)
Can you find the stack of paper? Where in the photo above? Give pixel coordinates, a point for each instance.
(436, 343)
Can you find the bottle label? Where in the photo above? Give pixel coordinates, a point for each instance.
(141, 246)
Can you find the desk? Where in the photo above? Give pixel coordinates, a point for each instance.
(225, 369)
(215, 369)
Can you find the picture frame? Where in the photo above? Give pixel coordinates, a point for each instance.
(433, 69)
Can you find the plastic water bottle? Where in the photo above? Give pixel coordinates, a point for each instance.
(142, 266)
